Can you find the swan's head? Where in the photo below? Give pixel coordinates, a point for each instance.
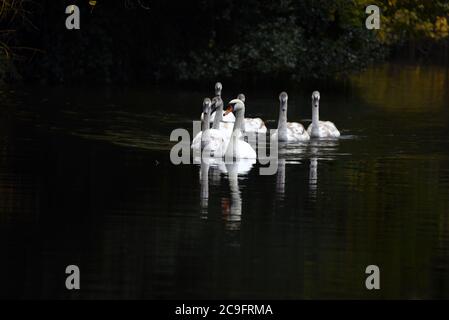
(206, 105)
(218, 88)
(283, 97)
(315, 99)
(234, 106)
(241, 97)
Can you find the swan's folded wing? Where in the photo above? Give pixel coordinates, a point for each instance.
(255, 125)
(296, 132)
(332, 129)
(229, 118)
(245, 151)
(295, 127)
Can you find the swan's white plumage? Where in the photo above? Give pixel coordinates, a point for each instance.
(295, 132)
(254, 125)
(209, 142)
(242, 150)
(320, 129)
(216, 143)
(326, 129)
(241, 166)
(226, 128)
(237, 148)
(288, 132)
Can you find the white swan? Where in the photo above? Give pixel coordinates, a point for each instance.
(252, 125)
(218, 124)
(289, 132)
(210, 142)
(229, 118)
(320, 129)
(237, 148)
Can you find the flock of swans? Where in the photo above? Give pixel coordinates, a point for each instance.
(226, 137)
(229, 126)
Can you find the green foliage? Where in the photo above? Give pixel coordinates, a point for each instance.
(410, 20)
(204, 40)
(308, 39)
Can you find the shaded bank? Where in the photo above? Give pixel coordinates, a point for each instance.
(202, 40)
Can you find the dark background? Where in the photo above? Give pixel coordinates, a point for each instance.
(142, 41)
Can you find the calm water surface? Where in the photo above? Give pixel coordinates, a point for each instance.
(86, 179)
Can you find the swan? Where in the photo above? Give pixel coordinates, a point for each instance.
(252, 125)
(289, 132)
(211, 142)
(216, 101)
(218, 123)
(320, 129)
(238, 148)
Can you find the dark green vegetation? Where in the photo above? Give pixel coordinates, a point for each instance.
(151, 41)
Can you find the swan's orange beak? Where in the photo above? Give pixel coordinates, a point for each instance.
(228, 109)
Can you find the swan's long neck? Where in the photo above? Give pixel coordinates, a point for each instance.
(282, 122)
(238, 124)
(218, 113)
(204, 128)
(315, 114)
(205, 122)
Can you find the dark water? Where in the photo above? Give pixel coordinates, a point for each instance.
(86, 179)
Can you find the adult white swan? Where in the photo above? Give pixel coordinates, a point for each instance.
(289, 132)
(320, 129)
(237, 148)
(211, 142)
(252, 125)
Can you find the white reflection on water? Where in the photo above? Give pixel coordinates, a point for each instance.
(280, 179)
(313, 177)
(319, 149)
(232, 206)
(204, 191)
(314, 150)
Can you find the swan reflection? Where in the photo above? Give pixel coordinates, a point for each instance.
(233, 213)
(211, 171)
(319, 149)
(313, 177)
(280, 179)
(204, 191)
